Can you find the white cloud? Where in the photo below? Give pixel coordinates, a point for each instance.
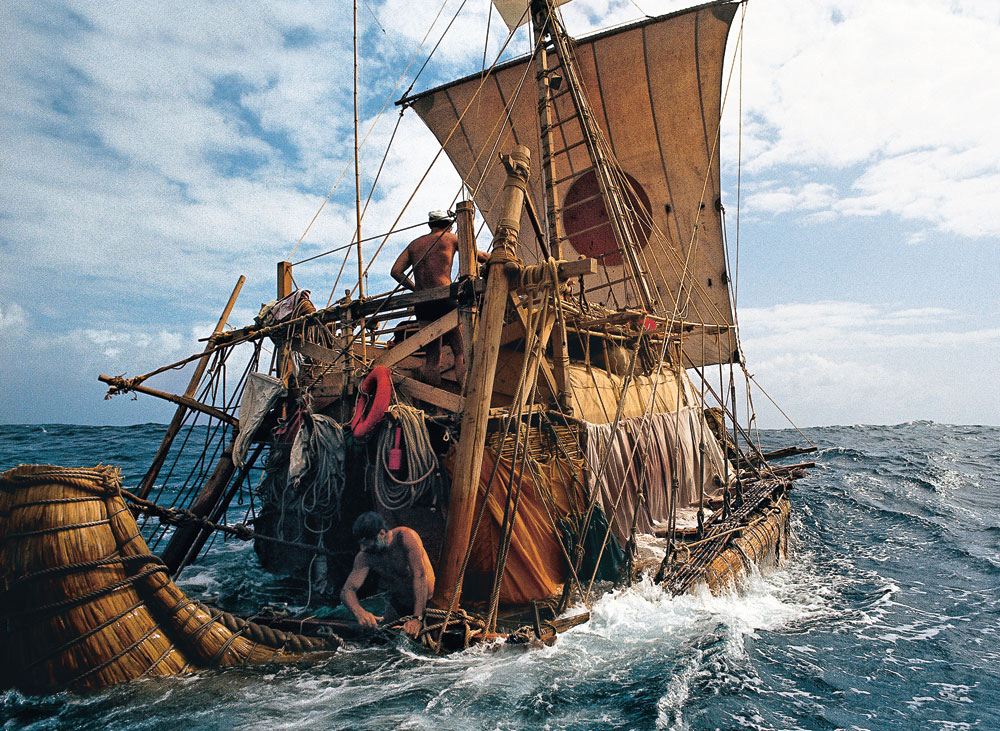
(13, 320)
(811, 197)
(853, 362)
(152, 153)
(851, 325)
(899, 95)
(821, 383)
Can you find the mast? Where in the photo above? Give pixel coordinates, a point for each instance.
(541, 11)
(479, 385)
(357, 183)
(357, 173)
(550, 33)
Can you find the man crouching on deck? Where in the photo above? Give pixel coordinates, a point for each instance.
(399, 558)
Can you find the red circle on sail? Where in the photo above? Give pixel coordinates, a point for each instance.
(585, 218)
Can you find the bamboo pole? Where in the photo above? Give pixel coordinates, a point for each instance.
(175, 424)
(357, 170)
(479, 383)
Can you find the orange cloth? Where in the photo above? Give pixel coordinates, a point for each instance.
(536, 564)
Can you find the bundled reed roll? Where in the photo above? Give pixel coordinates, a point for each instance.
(83, 602)
(762, 543)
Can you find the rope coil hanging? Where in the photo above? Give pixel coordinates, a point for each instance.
(395, 493)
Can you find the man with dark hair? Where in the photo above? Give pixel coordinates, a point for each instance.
(402, 564)
(431, 257)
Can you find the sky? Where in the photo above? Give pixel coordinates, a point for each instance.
(150, 153)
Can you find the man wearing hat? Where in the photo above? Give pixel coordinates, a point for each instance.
(431, 257)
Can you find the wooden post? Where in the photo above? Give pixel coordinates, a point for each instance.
(284, 279)
(535, 358)
(285, 286)
(468, 266)
(479, 384)
(175, 424)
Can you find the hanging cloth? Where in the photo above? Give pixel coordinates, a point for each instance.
(259, 396)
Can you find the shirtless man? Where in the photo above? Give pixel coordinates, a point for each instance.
(431, 257)
(399, 558)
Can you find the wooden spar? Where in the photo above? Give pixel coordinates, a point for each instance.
(185, 535)
(468, 266)
(432, 395)
(175, 424)
(479, 384)
(189, 403)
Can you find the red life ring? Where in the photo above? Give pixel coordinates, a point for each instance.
(376, 392)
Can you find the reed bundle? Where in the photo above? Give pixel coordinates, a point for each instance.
(760, 544)
(83, 602)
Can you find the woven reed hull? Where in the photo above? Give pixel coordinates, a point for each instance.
(85, 605)
(761, 544)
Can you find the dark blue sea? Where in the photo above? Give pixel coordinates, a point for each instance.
(886, 616)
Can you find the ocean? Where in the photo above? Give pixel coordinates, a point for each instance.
(885, 616)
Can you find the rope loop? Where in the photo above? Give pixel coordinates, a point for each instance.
(102, 479)
(439, 621)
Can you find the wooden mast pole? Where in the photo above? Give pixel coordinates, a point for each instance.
(468, 266)
(621, 223)
(540, 13)
(175, 424)
(479, 384)
(357, 171)
(357, 183)
(185, 535)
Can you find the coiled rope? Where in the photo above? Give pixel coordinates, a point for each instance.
(394, 493)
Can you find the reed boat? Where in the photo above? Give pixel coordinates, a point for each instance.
(594, 440)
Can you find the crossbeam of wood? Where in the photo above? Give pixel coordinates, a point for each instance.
(511, 332)
(418, 340)
(351, 311)
(505, 411)
(321, 353)
(397, 301)
(564, 270)
(432, 395)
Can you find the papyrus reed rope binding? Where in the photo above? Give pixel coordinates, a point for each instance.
(83, 602)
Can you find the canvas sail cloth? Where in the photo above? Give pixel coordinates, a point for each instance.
(643, 456)
(655, 91)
